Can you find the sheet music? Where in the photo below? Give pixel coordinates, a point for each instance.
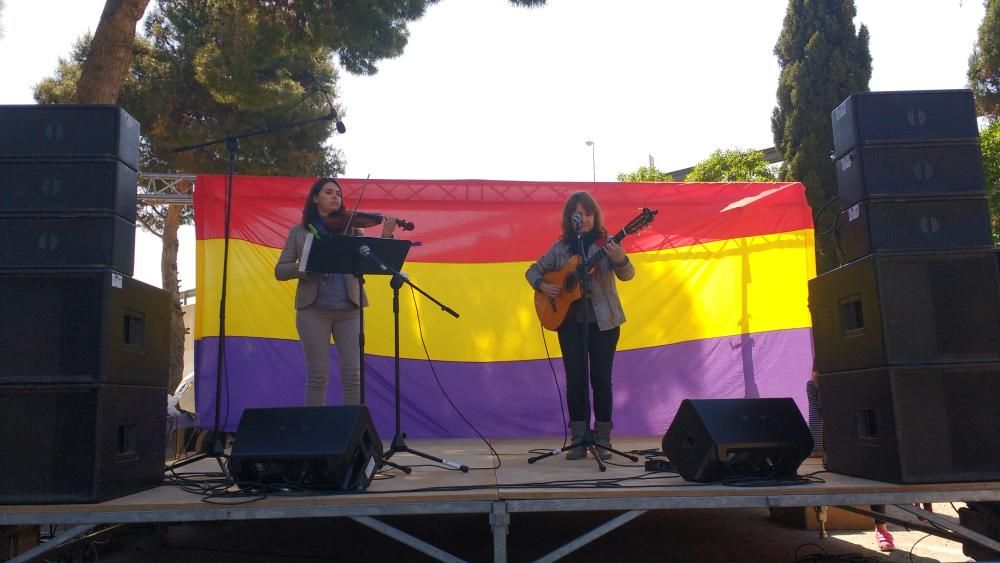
(305, 252)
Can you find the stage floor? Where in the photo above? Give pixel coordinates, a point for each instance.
(515, 486)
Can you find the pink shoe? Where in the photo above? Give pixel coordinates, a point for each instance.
(884, 540)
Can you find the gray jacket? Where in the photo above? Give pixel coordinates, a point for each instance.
(607, 305)
(287, 268)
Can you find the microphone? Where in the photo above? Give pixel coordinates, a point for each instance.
(576, 218)
(366, 251)
(332, 116)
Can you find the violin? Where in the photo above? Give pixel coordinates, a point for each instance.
(338, 222)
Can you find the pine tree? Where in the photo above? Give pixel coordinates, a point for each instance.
(822, 60)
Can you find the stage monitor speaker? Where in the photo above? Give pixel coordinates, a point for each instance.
(69, 131)
(907, 308)
(914, 224)
(318, 448)
(93, 186)
(92, 326)
(711, 439)
(67, 241)
(913, 424)
(899, 170)
(80, 443)
(918, 116)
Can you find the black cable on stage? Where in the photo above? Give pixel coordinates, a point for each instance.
(430, 363)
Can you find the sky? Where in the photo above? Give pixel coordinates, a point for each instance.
(485, 90)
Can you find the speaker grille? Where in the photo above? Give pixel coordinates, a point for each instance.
(67, 241)
(99, 186)
(80, 443)
(70, 131)
(83, 327)
(908, 116)
(907, 308)
(913, 424)
(914, 224)
(899, 170)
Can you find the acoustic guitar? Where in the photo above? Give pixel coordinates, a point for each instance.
(552, 310)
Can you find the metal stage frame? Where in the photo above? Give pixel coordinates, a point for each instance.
(497, 494)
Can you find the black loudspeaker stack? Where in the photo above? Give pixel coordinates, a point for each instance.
(84, 346)
(907, 331)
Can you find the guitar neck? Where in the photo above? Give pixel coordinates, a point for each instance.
(600, 254)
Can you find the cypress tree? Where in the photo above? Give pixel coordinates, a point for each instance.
(984, 64)
(823, 59)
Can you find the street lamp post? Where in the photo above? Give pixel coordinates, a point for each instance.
(593, 161)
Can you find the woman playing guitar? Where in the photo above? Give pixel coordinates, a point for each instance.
(601, 316)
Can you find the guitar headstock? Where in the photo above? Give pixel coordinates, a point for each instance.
(641, 221)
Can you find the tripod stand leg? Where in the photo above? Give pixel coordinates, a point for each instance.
(593, 451)
(452, 464)
(403, 468)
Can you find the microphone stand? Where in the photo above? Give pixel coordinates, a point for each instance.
(398, 439)
(588, 442)
(216, 448)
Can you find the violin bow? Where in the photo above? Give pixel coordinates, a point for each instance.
(356, 203)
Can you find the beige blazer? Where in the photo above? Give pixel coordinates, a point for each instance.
(287, 268)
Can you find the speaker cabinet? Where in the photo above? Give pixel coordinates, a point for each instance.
(710, 439)
(913, 308)
(94, 326)
(917, 116)
(67, 241)
(322, 448)
(898, 170)
(914, 224)
(95, 186)
(913, 424)
(69, 131)
(80, 443)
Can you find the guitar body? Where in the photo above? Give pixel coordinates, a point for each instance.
(552, 310)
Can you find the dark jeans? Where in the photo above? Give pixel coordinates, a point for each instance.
(601, 347)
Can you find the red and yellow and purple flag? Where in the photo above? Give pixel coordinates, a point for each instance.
(717, 309)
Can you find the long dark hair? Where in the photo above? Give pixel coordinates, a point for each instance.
(590, 204)
(310, 212)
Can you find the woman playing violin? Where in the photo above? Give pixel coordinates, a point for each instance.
(326, 304)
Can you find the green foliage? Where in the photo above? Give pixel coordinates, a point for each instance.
(989, 142)
(732, 165)
(984, 63)
(645, 174)
(822, 61)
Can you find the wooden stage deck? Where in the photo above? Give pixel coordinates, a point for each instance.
(549, 485)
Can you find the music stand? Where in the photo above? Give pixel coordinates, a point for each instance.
(376, 256)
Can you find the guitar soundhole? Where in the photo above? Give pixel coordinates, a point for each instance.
(570, 282)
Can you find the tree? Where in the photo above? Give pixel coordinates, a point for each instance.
(984, 63)
(822, 60)
(206, 69)
(111, 48)
(645, 174)
(989, 142)
(732, 165)
(361, 32)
